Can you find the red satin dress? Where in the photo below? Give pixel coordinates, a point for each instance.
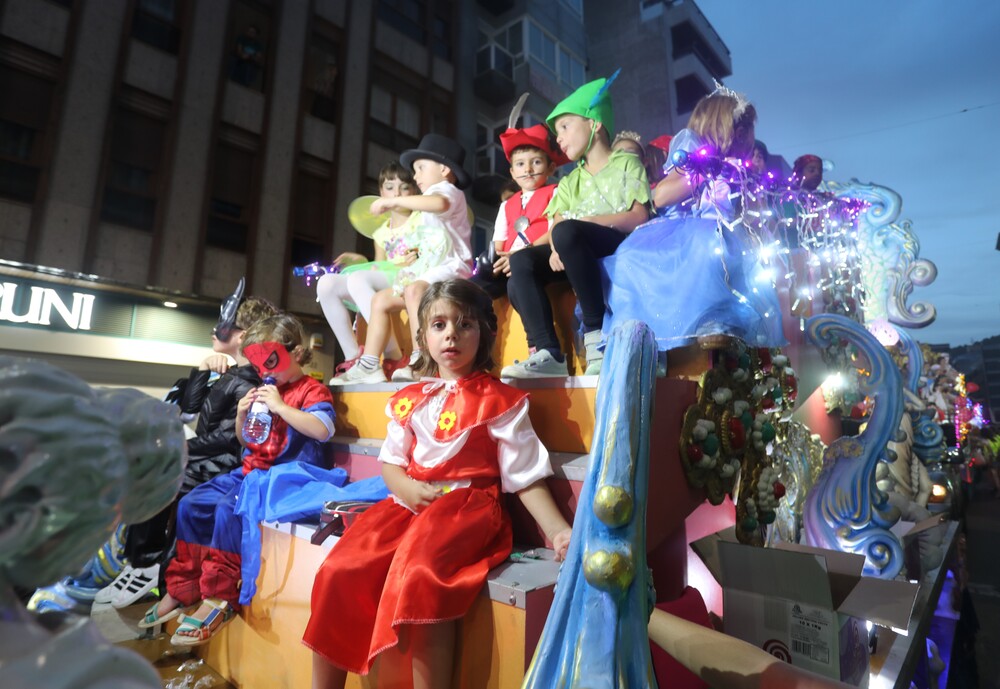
(395, 567)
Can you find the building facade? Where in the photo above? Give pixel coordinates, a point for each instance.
(162, 149)
(669, 56)
(173, 146)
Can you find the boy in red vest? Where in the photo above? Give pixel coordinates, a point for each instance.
(521, 221)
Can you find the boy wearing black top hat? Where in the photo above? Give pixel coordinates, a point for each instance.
(437, 170)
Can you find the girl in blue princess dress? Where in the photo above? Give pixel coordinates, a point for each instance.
(692, 274)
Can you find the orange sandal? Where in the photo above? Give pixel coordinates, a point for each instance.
(197, 632)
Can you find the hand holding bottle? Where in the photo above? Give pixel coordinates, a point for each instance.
(257, 424)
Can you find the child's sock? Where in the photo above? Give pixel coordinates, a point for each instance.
(369, 362)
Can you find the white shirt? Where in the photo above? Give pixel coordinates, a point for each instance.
(455, 220)
(522, 457)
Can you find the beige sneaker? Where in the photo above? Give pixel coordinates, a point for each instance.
(541, 364)
(359, 375)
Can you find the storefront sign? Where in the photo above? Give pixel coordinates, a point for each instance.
(43, 305)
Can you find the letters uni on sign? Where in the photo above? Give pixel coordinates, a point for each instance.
(45, 300)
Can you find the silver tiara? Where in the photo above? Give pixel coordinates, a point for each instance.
(741, 100)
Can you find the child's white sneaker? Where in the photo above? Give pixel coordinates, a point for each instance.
(107, 594)
(595, 355)
(138, 586)
(359, 375)
(541, 364)
(403, 374)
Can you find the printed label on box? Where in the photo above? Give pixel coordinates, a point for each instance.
(810, 633)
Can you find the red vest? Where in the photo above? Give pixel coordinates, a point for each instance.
(534, 211)
(477, 400)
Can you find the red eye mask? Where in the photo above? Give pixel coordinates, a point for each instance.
(268, 357)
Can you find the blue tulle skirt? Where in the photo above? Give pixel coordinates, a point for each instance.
(686, 277)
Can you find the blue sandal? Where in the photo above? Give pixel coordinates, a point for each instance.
(151, 620)
(197, 632)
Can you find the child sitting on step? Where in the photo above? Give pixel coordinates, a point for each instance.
(594, 208)
(413, 564)
(207, 565)
(397, 245)
(521, 221)
(437, 170)
(693, 274)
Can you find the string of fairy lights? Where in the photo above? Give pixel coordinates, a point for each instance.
(781, 216)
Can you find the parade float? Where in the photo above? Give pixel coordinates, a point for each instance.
(727, 450)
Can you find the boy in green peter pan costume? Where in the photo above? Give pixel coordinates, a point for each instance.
(593, 210)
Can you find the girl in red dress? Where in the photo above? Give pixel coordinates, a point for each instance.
(414, 563)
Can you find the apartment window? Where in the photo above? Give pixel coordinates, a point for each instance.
(310, 205)
(511, 38)
(252, 30)
(322, 75)
(155, 22)
(492, 57)
(441, 117)
(575, 5)
(490, 158)
(689, 91)
(24, 111)
(441, 29)
(570, 69)
(542, 47)
(311, 220)
(229, 207)
(131, 185)
(406, 16)
(394, 112)
(687, 40)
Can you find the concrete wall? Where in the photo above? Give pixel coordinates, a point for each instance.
(279, 153)
(41, 25)
(192, 153)
(79, 141)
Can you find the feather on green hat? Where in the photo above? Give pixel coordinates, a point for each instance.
(591, 100)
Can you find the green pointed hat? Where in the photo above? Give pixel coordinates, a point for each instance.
(591, 100)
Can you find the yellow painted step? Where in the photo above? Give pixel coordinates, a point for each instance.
(561, 409)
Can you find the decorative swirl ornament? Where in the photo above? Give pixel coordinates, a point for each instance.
(889, 252)
(595, 635)
(928, 438)
(910, 349)
(845, 510)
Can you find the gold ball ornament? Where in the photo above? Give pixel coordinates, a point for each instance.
(609, 571)
(613, 506)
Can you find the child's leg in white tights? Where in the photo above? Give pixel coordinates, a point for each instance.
(331, 291)
(362, 286)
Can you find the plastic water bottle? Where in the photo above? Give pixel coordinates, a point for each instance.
(257, 426)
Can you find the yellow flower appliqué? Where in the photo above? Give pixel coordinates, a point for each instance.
(447, 420)
(403, 407)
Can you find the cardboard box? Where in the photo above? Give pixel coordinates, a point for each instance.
(806, 606)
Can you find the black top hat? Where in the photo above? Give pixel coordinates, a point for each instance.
(442, 150)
